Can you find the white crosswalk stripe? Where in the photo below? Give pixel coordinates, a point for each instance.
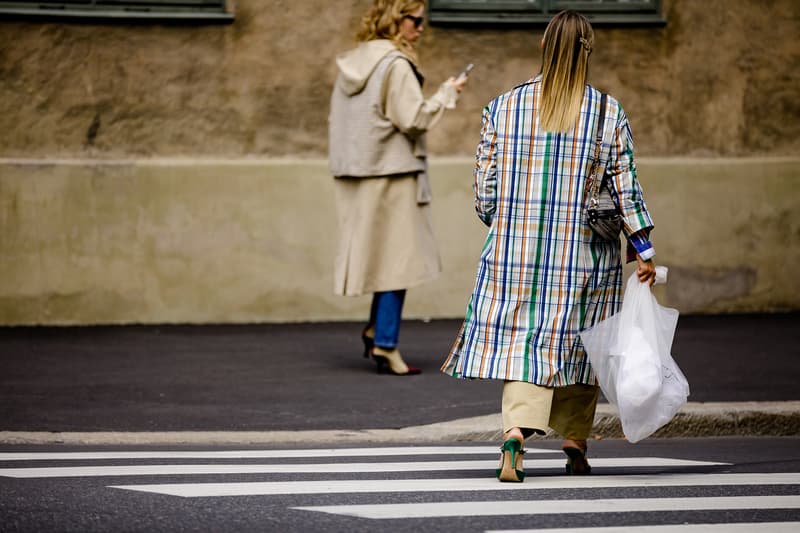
(448, 468)
(537, 507)
(206, 490)
(298, 453)
(740, 527)
(326, 468)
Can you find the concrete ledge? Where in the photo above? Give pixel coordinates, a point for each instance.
(694, 420)
(717, 420)
(253, 240)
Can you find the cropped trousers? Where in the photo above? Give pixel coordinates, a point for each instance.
(533, 408)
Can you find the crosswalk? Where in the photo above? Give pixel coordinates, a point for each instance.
(433, 475)
(534, 507)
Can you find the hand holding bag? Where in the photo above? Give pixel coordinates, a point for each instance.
(602, 213)
(630, 355)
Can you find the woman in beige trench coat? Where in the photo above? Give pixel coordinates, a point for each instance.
(377, 131)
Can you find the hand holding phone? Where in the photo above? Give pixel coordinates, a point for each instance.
(465, 73)
(461, 80)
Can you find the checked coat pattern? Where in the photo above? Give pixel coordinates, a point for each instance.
(542, 275)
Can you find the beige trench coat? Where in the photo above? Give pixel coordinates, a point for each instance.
(386, 240)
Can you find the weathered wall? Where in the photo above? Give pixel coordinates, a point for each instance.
(253, 241)
(721, 78)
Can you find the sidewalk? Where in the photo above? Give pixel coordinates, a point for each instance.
(309, 383)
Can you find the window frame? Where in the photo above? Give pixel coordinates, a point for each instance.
(110, 11)
(539, 12)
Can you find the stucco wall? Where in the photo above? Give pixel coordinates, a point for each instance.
(252, 241)
(721, 78)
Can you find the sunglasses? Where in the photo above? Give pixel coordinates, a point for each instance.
(418, 21)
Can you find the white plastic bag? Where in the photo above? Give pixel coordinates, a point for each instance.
(630, 355)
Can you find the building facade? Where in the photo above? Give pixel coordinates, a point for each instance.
(176, 172)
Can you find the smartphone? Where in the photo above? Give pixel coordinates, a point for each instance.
(466, 71)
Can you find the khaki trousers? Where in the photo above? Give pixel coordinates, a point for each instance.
(532, 408)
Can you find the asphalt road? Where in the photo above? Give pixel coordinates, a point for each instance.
(750, 481)
(312, 376)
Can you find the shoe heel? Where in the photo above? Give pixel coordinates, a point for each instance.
(510, 459)
(368, 341)
(380, 363)
(577, 465)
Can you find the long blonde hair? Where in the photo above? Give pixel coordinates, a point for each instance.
(383, 19)
(566, 46)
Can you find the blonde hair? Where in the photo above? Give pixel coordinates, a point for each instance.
(383, 19)
(566, 46)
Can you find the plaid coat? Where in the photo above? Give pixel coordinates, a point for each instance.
(542, 275)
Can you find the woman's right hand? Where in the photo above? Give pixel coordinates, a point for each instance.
(458, 83)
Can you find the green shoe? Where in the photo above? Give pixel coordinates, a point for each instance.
(511, 462)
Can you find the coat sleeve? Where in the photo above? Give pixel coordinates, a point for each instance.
(406, 107)
(621, 172)
(485, 173)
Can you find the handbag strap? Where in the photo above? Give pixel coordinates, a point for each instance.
(596, 184)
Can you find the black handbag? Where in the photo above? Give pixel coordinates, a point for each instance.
(602, 214)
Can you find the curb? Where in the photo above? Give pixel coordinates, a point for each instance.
(754, 419)
(693, 420)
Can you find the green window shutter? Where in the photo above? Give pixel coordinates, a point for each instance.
(617, 12)
(188, 10)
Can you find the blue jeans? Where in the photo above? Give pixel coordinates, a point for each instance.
(385, 316)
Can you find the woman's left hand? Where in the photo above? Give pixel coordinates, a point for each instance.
(646, 270)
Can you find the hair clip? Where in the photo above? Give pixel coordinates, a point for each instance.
(585, 44)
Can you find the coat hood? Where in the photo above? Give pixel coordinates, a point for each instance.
(356, 66)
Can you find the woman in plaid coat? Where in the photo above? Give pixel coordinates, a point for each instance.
(543, 276)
